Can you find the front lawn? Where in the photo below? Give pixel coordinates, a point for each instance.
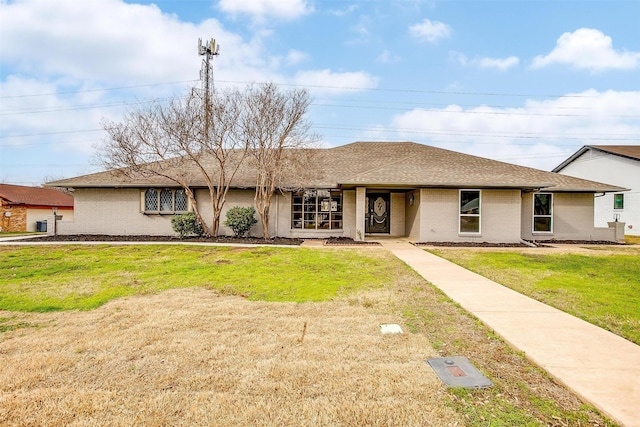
(601, 287)
(46, 278)
(312, 353)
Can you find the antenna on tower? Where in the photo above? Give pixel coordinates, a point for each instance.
(209, 49)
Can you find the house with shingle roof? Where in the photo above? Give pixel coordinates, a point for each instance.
(363, 190)
(22, 208)
(615, 164)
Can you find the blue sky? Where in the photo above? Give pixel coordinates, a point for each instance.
(526, 82)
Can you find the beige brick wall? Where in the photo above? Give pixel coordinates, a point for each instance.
(572, 219)
(113, 212)
(396, 227)
(439, 216)
(241, 198)
(412, 219)
(119, 211)
(501, 215)
(349, 213)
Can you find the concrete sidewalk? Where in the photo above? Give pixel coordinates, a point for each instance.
(600, 367)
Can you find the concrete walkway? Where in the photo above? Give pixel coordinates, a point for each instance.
(600, 367)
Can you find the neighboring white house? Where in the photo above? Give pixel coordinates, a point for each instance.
(616, 165)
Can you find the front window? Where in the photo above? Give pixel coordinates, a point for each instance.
(181, 204)
(543, 212)
(165, 201)
(317, 209)
(151, 200)
(469, 211)
(618, 201)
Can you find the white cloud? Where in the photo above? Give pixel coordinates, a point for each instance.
(344, 11)
(501, 64)
(538, 134)
(588, 49)
(113, 42)
(71, 50)
(430, 31)
(458, 57)
(387, 57)
(295, 57)
(261, 9)
(329, 82)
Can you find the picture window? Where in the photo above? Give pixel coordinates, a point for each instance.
(165, 201)
(317, 209)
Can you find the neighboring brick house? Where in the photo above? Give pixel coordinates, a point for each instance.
(21, 208)
(614, 164)
(396, 189)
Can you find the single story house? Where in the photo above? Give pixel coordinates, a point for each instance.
(397, 189)
(615, 164)
(24, 208)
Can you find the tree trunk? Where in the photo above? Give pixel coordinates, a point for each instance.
(194, 205)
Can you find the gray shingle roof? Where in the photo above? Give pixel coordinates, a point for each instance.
(380, 164)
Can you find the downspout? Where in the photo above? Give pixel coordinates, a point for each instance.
(277, 213)
(530, 244)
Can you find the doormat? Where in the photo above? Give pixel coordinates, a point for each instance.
(458, 372)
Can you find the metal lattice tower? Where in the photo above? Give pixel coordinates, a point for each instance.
(208, 50)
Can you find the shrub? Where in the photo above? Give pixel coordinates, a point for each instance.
(186, 225)
(240, 220)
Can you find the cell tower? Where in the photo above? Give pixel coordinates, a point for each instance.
(208, 50)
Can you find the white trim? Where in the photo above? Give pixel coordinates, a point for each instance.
(479, 214)
(533, 214)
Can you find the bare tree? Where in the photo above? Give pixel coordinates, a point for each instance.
(187, 141)
(273, 123)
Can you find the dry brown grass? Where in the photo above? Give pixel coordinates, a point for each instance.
(192, 357)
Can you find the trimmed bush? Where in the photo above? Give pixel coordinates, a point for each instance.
(186, 225)
(240, 220)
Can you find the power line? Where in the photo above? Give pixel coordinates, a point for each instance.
(425, 91)
(506, 113)
(95, 90)
(417, 108)
(353, 88)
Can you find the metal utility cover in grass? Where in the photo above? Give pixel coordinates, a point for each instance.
(458, 372)
(390, 328)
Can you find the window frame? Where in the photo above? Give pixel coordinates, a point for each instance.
(620, 206)
(462, 215)
(312, 207)
(159, 191)
(549, 215)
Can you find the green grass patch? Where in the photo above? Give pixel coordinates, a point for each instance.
(11, 324)
(603, 289)
(522, 395)
(39, 278)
